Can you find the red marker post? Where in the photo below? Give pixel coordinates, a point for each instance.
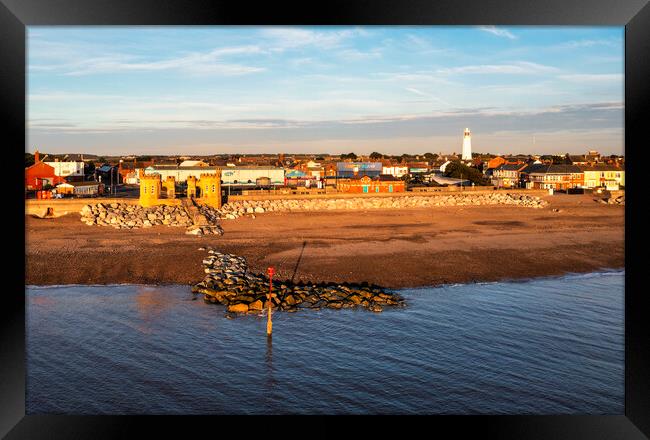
(269, 323)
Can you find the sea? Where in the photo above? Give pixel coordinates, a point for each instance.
(541, 346)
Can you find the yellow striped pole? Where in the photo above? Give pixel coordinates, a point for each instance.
(269, 323)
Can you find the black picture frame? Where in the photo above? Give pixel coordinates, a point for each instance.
(15, 15)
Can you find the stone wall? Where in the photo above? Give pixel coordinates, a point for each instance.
(238, 208)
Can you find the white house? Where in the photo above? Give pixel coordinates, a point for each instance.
(65, 169)
(443, 167)
(395, 171)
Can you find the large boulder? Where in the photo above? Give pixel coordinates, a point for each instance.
(238, 308)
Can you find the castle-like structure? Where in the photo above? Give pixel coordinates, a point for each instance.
(210, 188)
(207, 187)
(149, 189)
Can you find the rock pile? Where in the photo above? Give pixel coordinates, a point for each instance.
(228, 282)
(239, 208)
(620, 200)
(125, 216)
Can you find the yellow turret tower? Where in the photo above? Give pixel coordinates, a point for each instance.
(191, 186)
(170, 185)
(149, 190)
(210, 186)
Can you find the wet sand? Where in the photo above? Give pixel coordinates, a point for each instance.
(392, 248)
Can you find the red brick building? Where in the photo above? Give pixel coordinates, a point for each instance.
(369, 185)
(40, 174)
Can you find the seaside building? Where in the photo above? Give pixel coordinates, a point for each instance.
(66, 169)
(507, 175)
(562, 177)
(604, 176)
(357, 169)
(40, 174)
(368, 185)
(395, 170)
(230, 175)
(418, 167)
(467, 145)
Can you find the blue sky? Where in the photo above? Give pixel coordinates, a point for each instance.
(394, 89)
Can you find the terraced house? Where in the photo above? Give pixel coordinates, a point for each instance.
(561, 177)
(507, 175)
(604, 176)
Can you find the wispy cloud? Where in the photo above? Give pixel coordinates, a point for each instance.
(426, 95)
(573, 44)
(197, 63)
(284, 38)
(499, 32)
(519, 67)
(359, 55)
(594, 78)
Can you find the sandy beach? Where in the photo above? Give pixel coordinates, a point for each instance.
(392, 248)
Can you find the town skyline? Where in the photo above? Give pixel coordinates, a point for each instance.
(305, 90)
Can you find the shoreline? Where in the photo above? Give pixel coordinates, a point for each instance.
(602, 271)
(395, 249)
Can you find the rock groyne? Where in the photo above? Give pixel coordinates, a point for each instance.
(229, 282)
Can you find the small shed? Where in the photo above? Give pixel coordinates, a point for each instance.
(89, 188)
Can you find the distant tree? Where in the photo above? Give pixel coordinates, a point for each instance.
(320, 158)
(101, 159)
(457, 170)
(349, 156)
(431, 156)
(375, 155)
(29, 160)
(143, 158)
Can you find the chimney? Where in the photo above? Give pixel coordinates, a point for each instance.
(36, 156)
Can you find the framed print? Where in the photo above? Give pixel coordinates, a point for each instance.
(415, 209)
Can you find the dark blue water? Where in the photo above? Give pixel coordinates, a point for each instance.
(546, 346)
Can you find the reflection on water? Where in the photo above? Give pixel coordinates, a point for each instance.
(546, 346)
(151, 306)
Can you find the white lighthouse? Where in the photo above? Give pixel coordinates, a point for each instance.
(467, 145)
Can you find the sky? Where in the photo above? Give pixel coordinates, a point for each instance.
(325, 89)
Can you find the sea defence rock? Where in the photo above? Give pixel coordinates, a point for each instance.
(620, 200)
(229, 282)
(235, 209)
(126, 216)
